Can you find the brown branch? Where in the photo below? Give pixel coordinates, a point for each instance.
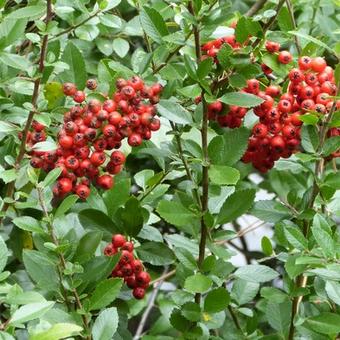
(255, 8)
(35, 95)
(301, 280)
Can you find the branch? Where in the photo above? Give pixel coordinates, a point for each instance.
(301, 280)
(62, 265)
(149, 307)
(255, 8)
(292, 18)
(71, 28)
(22, 147)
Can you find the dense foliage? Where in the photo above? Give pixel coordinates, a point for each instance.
(137, 137)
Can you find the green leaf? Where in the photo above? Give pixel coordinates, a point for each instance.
(284, 20)
(77, 73)
(333, 291)
(132, 217)
(324, 323)
(309, 119)
(236, 205)
(278, 315)
(11, 30)
(332, 180)
(223, 55)
(309, 138)
(47, 145)
(41, 269)
(228, 148)
(244, 291)
(241, 99)
(58, 331)
(95, 219)
(256, 273)
(241, 31)
(266, 246)
(197, 283)
(65, 205)
(3, 254)
(204, 68)
(331, 145)
(321, 232)
(273, 294)
(153, 24)
(272, 61)
(121, 47)
(186, 258)
(175, 213)
(51, 177)
(191, 311)
(270, 211)
(31, 12)
(312, 39)
(223, 175)
(117, 196)
(28, 223)
(87, 246)
(155, 253)
(105, 325)
(216, 300)
(295, 237)
(174, 112)
(105, 293)
(14, 60)
(30, 312)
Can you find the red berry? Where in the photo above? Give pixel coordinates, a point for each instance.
(318, 64)
(64, 185)
(126, 257)
(143, 279)
(79, 96)
(117, 158)
(110, 250)
(118, 240)
(69, 89)
(98, 158)
(130, 282)
(272, 47)
(304, 63)
(66, 142)
(128, 246)
(285, 57)
(105, 182)
(91, 84)
(95, 105)
(137, 266)
(138, 293)
(83, 191)
(135, 139)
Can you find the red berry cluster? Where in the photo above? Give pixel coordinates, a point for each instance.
(277, 134)
(211, 49)
(92, 129)
(128, 267)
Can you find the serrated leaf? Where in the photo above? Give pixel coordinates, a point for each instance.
(256, 273)
(216, 300)
(295, 237)
(312, 39)
(222, 150)
(270, 211)
(155, 253)
(65, 205)
(236, 205)
(30, 312)
(58, 331)
(324, 323)
(223, 175)
(121, 47)
(244, 291)
(87, 246)
(174, 112)
(153, 24)
(105, 293)
(332, 144)
(197, 283)
(28, 223)
(106, 324)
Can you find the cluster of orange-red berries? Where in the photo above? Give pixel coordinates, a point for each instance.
(129, 268)
(92, 129)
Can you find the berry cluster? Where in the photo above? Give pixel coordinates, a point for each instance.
(277, 134)
(92, 129)
(128, 267)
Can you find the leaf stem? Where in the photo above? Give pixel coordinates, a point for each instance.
(255, 8)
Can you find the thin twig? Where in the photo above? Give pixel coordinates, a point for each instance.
(72, 28)
(255, 8)
(149, 307)
(35, 95)
(315, 9)
(292, 18)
